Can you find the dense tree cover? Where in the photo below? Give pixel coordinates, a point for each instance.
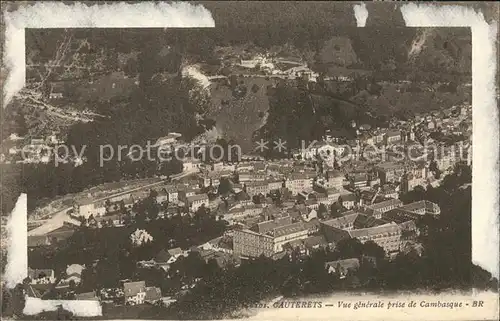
(101, 140)
(13, 120)
(221, 150)
(236, 22)
(291, 118)
(304, 26)
(446, 261)
(13, 301)
(291, 276)
(322, 211)
(376, 48)
(457, 182)
(113, 243)
(224, 186)
(235, 287)
(444, 264)
(124, 41)
(161, 105)
(336, 209)
(46, 181)
(154, 109)
(299, 115)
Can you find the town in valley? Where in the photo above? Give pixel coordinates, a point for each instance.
(294, 169)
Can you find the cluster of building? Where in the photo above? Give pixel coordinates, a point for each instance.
(274, 66)
(278, 207)
(409, 153)
(129, 293)
(16, 149)
(272, 207)
(188, 197)
(271, 203)
(389, 223)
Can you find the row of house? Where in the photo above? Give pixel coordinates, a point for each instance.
(268, 238)
(190, 196)
(388, 223)
(138, 293)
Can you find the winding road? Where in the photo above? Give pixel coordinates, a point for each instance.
(72, 115)
(58, 218)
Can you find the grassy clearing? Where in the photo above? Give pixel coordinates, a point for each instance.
(239, 118)
(106, 87)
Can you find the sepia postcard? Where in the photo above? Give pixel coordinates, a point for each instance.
(249, 160)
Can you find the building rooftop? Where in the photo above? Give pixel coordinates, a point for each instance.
(37, 240)
(170, 188)
(341, 221)
(347, 264)
(399, 216)
(197, 197)
(365, 221)
(332, 191)
(419, 205)
(297, 176)
(311, 202)
(283, 220)
(389, 202)
(390, 165)
(381, 229)
(86, 296)
(351, 197)
(315, 240)
(255, 233)
(163, 256)
(408, 225)
(266, 226)
(175, 251)
(392, 133)
(152, 293)
(86, 201)
(357, 220)
(133, 288)
(289, 229)
(359, 176)
(256, 184)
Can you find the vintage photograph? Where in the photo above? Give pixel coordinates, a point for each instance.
(210, 173)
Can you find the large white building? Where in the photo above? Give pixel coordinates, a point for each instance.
(384, 206)
(253, 244)
(299, 182)
(86, 208)
(196, 201)
(191, 164)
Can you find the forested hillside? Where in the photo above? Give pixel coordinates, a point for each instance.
(133, 78)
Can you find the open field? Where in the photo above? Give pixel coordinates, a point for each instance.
(239, 118)
(84, 94)
(107, 87)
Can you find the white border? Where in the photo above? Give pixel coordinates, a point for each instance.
(485, 123)
(77, 15)
(485, 120)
